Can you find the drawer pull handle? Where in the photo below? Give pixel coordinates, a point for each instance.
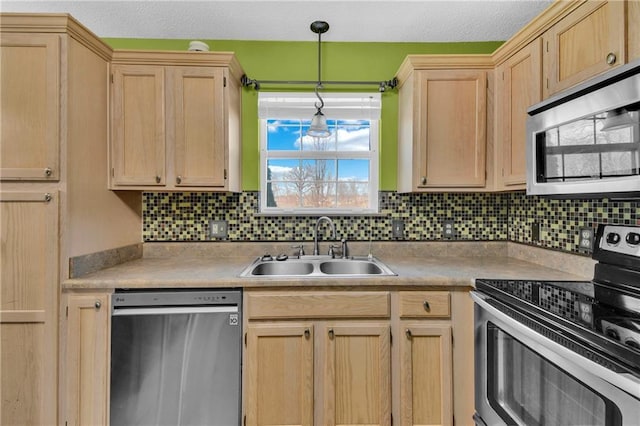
(307, 333)
(158, 179)
(48, 172)
(423, 181)
(98, 304)
(408, 333)
(47, 197)
(611, 58)
(331, 333)
(426, 305)
(179, 180)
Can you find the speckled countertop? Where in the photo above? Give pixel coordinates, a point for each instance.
(181, 266)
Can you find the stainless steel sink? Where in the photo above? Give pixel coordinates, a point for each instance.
(317, 267)
(282, 268)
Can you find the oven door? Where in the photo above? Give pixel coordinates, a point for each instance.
(525, 378)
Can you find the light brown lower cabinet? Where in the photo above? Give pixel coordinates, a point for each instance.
(426, 374)
(87, 359)
(386, 359)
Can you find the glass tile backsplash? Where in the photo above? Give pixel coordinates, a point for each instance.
(184, 216)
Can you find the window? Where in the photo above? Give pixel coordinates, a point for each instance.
(302, 174)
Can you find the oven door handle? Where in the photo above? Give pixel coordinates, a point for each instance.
(174, 310)
(623, 381)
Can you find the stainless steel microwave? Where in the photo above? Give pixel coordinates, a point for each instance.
(585, 142)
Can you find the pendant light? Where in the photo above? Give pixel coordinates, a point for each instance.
(318, 127)
(617, 119)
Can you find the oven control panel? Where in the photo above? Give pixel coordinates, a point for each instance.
(621, 239)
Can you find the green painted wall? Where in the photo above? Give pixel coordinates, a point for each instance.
(278, 60)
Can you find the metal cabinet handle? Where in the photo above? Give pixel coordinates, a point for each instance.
(611, 58)
(98, 304)
(47, 197)
(331, 333)
(408, 333)
(307, 333)
(426, 305)
(158, 179)
(48, 171)
(179, 180)
(423, 181)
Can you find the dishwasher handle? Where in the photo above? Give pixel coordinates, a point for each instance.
(172, 310)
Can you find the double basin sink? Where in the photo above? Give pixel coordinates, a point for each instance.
(316, 266)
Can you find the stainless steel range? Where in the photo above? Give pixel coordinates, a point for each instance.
(560, 353)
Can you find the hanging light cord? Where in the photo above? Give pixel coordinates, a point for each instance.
(319, 85)
(318, 95)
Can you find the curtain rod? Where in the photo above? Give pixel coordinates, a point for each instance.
(382, 85)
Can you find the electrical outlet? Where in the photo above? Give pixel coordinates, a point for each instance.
(397, 226)
(535, 232)
(217, 229)
(585, 239)
(448, 230)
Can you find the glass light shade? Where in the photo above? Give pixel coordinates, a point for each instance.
(617, 119)
(318, 127)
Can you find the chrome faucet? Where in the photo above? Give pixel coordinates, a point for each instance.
(316, 250)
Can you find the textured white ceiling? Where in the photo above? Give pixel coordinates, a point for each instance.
(355, 20)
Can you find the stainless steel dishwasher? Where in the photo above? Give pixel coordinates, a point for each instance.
(176, 358)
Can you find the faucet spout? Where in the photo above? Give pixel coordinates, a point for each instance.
(316, 248)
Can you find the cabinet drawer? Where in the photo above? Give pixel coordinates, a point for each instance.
(354, 304)
(414, 304)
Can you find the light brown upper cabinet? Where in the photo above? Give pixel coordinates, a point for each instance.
(519, 85)
(587, 42)
(442, 124)
(30, 99)
(633, 30)
(176, 121)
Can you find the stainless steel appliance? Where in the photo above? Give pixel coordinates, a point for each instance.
(586, 141)
(176, 358)
(562, 353)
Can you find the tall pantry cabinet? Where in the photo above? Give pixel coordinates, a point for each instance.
(54, 201)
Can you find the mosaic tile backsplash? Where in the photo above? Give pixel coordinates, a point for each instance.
(477, 217)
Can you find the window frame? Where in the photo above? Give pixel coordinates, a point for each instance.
(372, 155)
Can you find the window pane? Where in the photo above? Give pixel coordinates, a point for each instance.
(282, 169)
(283, 135)
(353, 195)
(353, 135)
(320, 194)
(285, 195)
(318, 170)
(353, 170)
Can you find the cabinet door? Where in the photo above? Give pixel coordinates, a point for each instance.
(357, 379)
(28, 307)
(587, 42)
(138, 134)
(426, 375)
(521, 86)
(279, 374)
(87, 363)
(30, 99)
(633, 35)
(197, 95)
(452, 117)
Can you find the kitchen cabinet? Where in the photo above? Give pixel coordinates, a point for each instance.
(176, 121)
(588, 41)
(86, 383)
(337, 359)
(442, 126)
(633, 34)
(425, 364)
(519, 85)
(55, 203)
(28, 306)
(358, 357)
(30, 98)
